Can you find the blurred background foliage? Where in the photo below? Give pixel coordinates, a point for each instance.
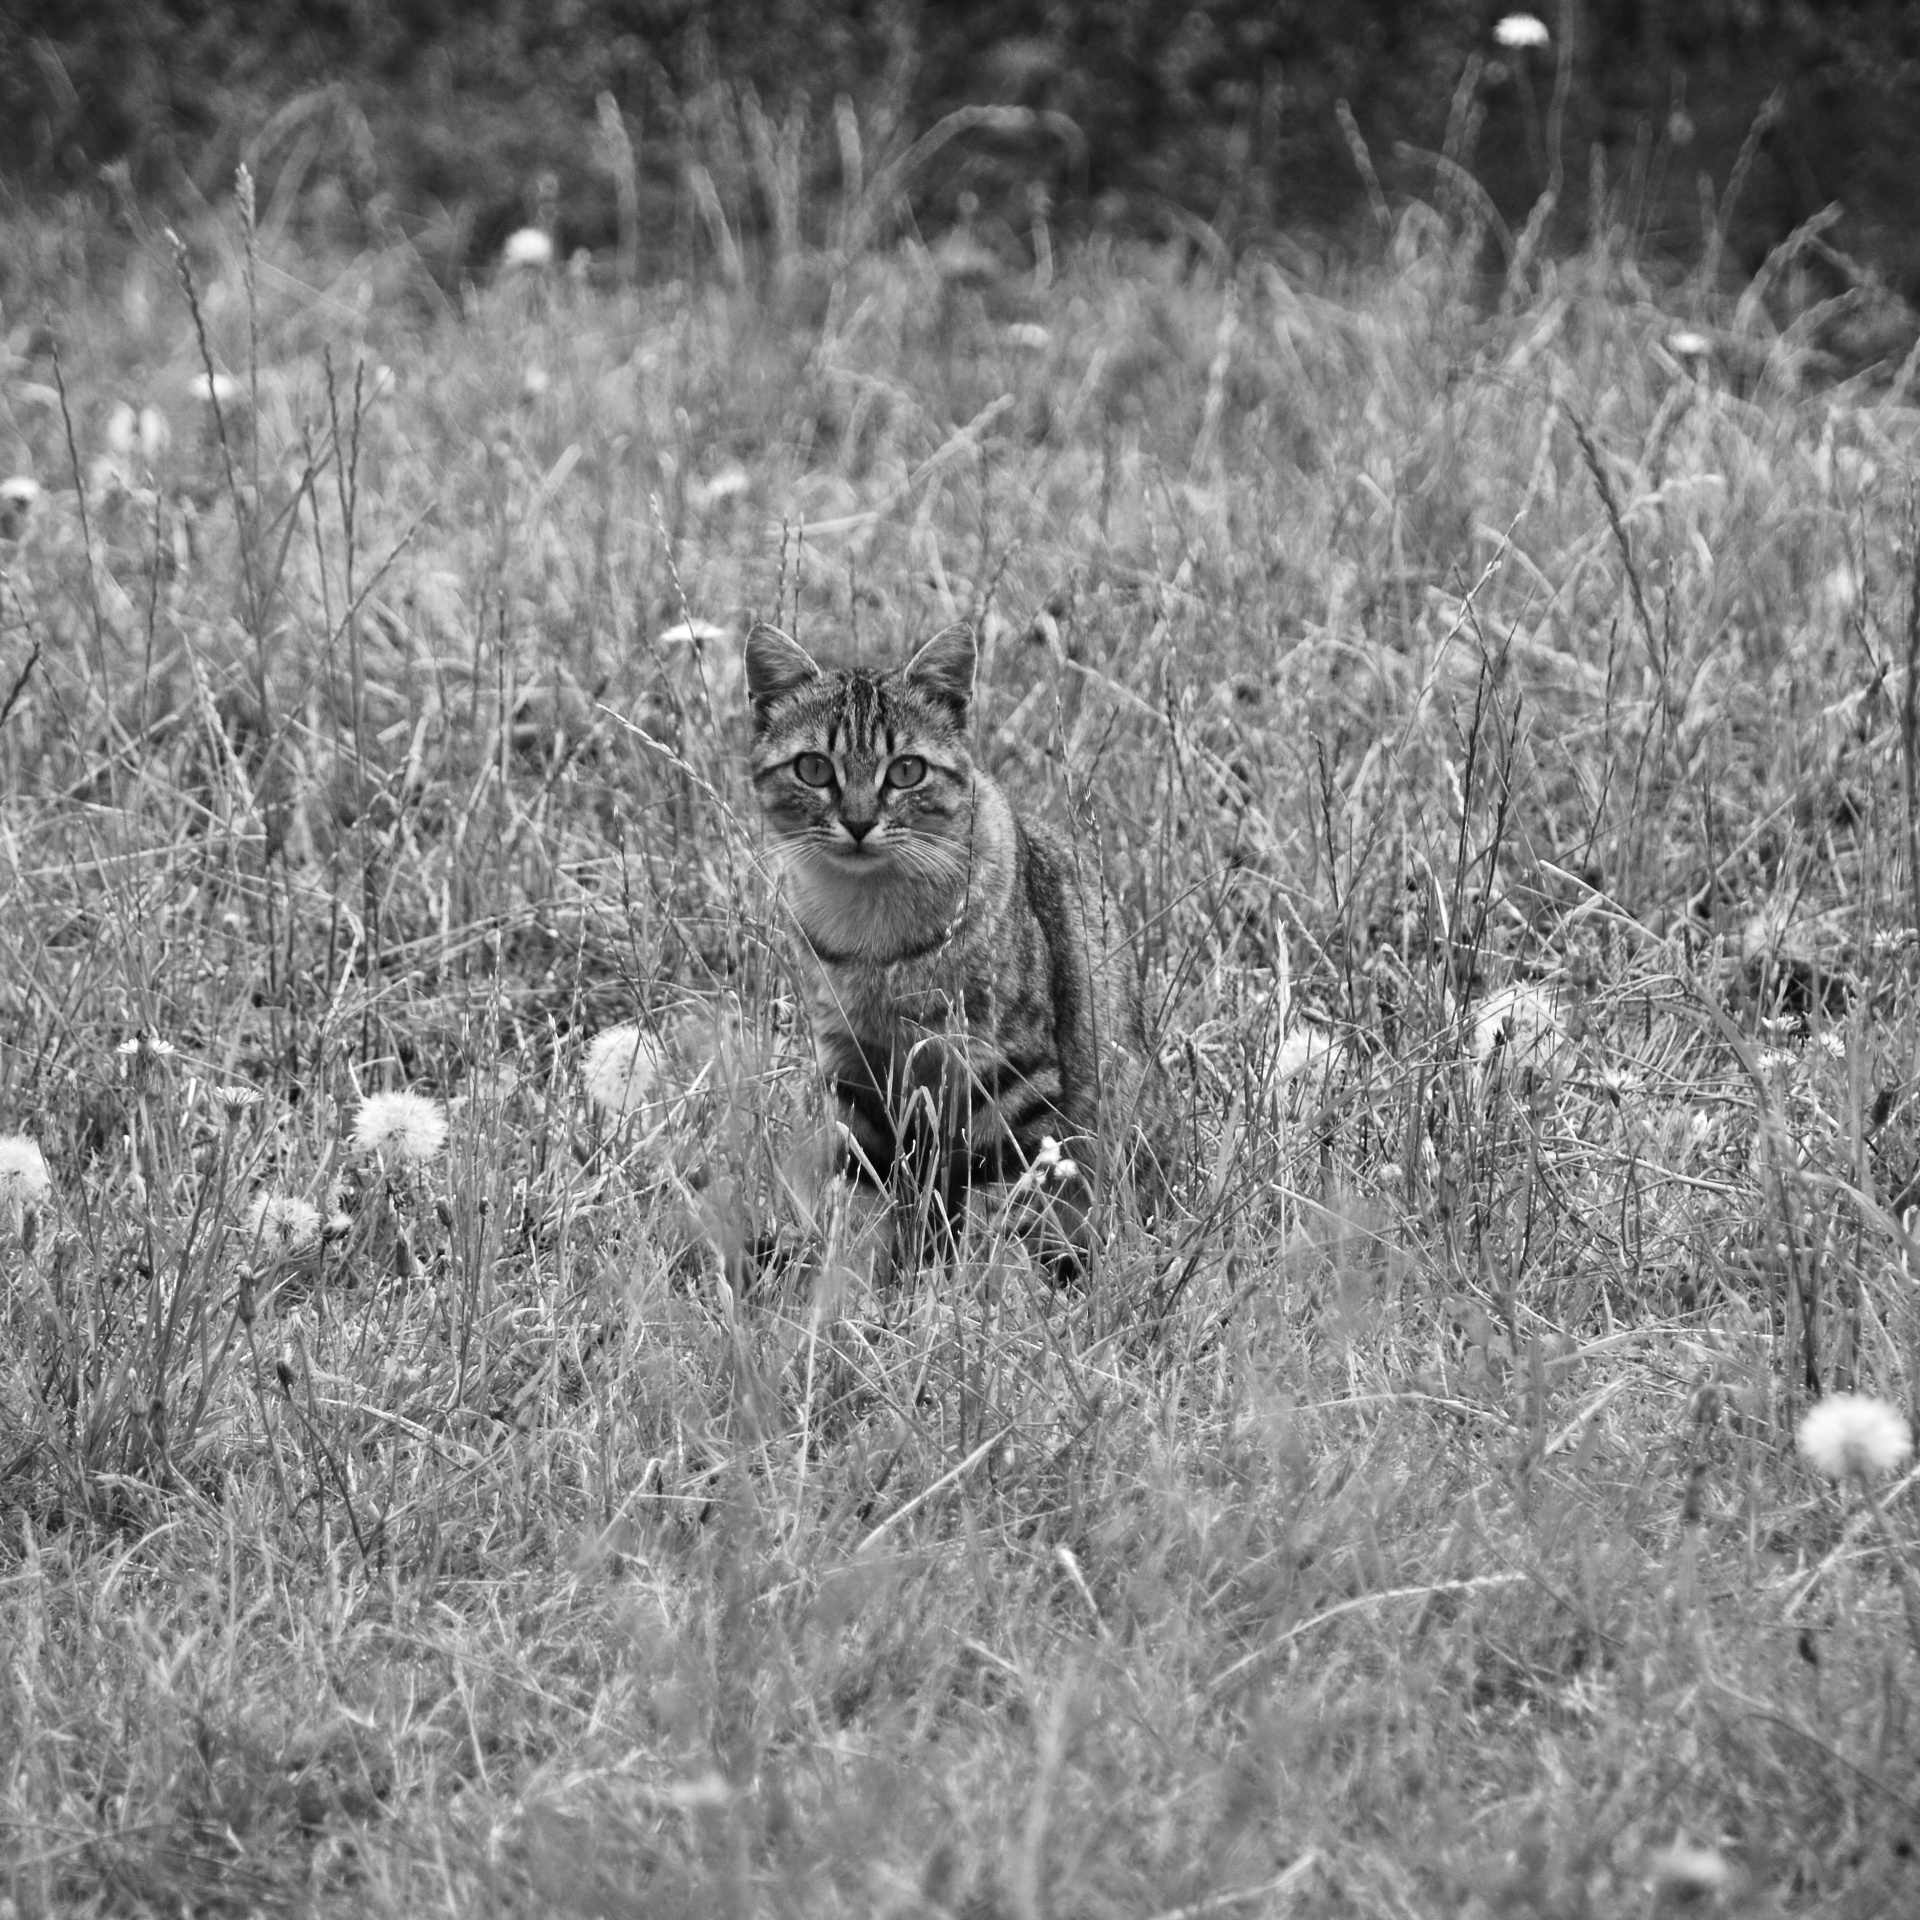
(461, 121)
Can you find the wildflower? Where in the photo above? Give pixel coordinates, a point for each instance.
(1832, 1044)
(1775, 1059)
(220, 388)
(622, 1069)
(528, 248)
(284, 1225)
(1689, 345)
(234, 1102)
(1051, 1166)
(123, 432)
(24, 1180)
(534, 383)
(1619, 1083)
(1518, 31)
(728, 484)
(1854, 1433)
(400, 1127)
(18, 497)
(692, 633)
(1684, 1873)
(145, 1048)
(1024, 333)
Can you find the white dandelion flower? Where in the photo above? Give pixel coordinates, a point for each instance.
(622, 1069)
(1521, 30)
(24, 1180)
(1854, 1433)
(234, 1102)
(18, 497)
(123, 431)
(728, 484)
(283, 1225)
(692, 633)
(1684, 1872)
(1775, 1059)
(145, 1048)
(210, 387)
(528, 248)
(403, 1128)
(1833, 1045)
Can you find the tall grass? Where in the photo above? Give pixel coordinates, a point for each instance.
(1499, 724)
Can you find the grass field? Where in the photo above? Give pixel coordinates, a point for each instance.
(1498, 715)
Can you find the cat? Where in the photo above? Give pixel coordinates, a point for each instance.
(974, 1006)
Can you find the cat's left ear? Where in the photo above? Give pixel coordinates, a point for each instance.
(776, 664)
(945, 667)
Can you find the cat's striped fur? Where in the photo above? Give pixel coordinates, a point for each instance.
(970, 998)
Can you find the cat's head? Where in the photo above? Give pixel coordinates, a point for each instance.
(864, 772)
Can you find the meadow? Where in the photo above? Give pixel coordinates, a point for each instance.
(1487, 679)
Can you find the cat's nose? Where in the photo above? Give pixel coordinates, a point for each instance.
(859, 829)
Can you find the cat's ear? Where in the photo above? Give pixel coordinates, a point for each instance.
(945, 667)
(776, 664)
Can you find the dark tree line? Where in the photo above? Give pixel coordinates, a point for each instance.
(1226, 110)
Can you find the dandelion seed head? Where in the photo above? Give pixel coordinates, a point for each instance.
(283, 1224)
(1524, 1025)
(404, 1128)
(1517, 31)
(528, 249)
(1307, 1049)
(622, 1069)
(1854, 1433)
(24, 1180)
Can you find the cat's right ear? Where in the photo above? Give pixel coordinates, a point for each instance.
(776, 664)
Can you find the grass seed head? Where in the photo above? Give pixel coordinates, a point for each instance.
(401, 1128)
(1854, 1433)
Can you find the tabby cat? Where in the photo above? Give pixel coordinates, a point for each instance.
(973, 1006)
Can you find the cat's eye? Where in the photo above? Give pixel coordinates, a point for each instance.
(815, 769)
(908, 771)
